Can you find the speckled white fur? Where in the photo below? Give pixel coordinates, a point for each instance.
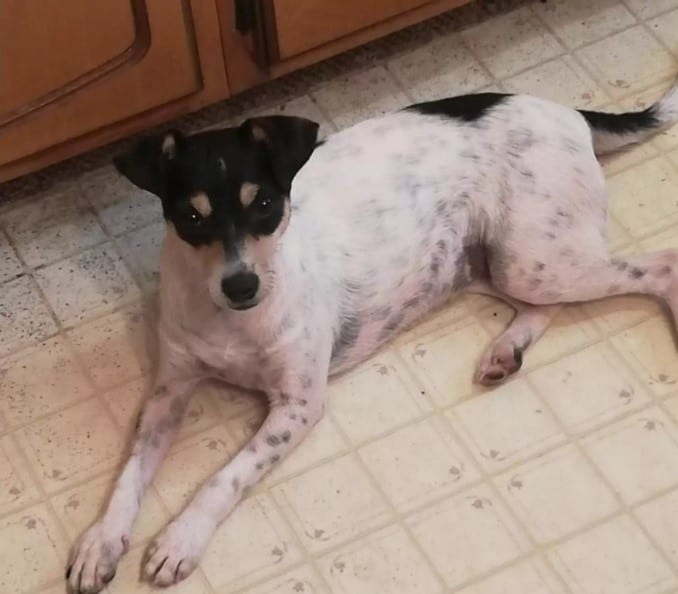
(385, 217)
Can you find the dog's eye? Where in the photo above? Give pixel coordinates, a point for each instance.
(194, 218)
(263, 204)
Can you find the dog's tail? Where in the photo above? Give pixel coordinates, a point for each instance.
(613, 131)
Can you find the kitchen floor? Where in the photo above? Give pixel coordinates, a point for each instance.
(417, 481)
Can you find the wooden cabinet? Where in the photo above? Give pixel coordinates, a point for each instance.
(72, 68)
(76, 74)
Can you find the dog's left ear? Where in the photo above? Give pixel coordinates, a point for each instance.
(287, 141)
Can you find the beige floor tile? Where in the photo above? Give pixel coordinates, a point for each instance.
(127, 578)
(10, 266)
(125, 404)
(505, 425)
(577, 22)
(121, 206)
(660, 519)
(418, 463)
(37, 553)
(52, 228)
(528, 577)
(557, 494)
(232, 402)
(375, 399)
(459, 308)
(189, 463)
(141, 250)
(617, 313)
(360, 95)
(441, 68)
(115, 348)
(252, 544)
(589, 388)
(621, 161)
(79, 507)
(628, 61)
(72, 445)
(86, 285)
(614, 558)
(473, 529)
(40, 380)
(561, 80)
(645, 9)
(643, 198)
(303, 579)
(650, 350)
(638, 455)
(331, 503)
(25, 317)
(512, 42)
(323, 444)
(387, 562)
(443, 365)
(661, 241)
(18, 487)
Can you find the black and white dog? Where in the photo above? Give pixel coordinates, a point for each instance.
(287, 260)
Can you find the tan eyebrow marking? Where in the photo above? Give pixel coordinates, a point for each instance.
(248, 192)
(202, 204)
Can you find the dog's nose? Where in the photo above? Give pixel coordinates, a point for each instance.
(240, 287)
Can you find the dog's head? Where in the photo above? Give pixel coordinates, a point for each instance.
(225, 194)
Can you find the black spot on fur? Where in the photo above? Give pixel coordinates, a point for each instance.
(273, 440)
(539, 266)
(467, 108)
(286, 436)
(637, 273)
(274, 459)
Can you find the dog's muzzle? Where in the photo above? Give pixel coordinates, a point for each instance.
(241, 289)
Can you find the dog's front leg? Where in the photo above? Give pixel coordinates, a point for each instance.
(295, 409)
(95, 556)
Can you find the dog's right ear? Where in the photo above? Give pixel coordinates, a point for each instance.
(147, 163)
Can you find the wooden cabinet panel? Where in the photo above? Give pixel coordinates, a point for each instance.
(305, 24)
(46, 48)
(123, 76)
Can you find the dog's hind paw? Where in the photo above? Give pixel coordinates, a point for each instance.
(498, 363)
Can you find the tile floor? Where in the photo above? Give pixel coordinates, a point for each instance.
(563, 480)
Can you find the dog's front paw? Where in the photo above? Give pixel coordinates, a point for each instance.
(174, 554)
(94, 558)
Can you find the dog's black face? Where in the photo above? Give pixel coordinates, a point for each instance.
(226, 194)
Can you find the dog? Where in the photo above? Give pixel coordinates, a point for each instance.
(289, 259)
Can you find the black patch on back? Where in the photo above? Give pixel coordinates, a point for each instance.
(467, 108)
(621, 123)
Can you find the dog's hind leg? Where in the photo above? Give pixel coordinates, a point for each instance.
(587, 277)
(504, 357)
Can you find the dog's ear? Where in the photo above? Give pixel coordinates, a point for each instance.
(287, 141)
(146, 164)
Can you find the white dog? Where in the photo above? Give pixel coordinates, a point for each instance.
(287, 260)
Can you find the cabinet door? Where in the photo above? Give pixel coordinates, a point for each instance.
(68, 67)
(302, 25)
